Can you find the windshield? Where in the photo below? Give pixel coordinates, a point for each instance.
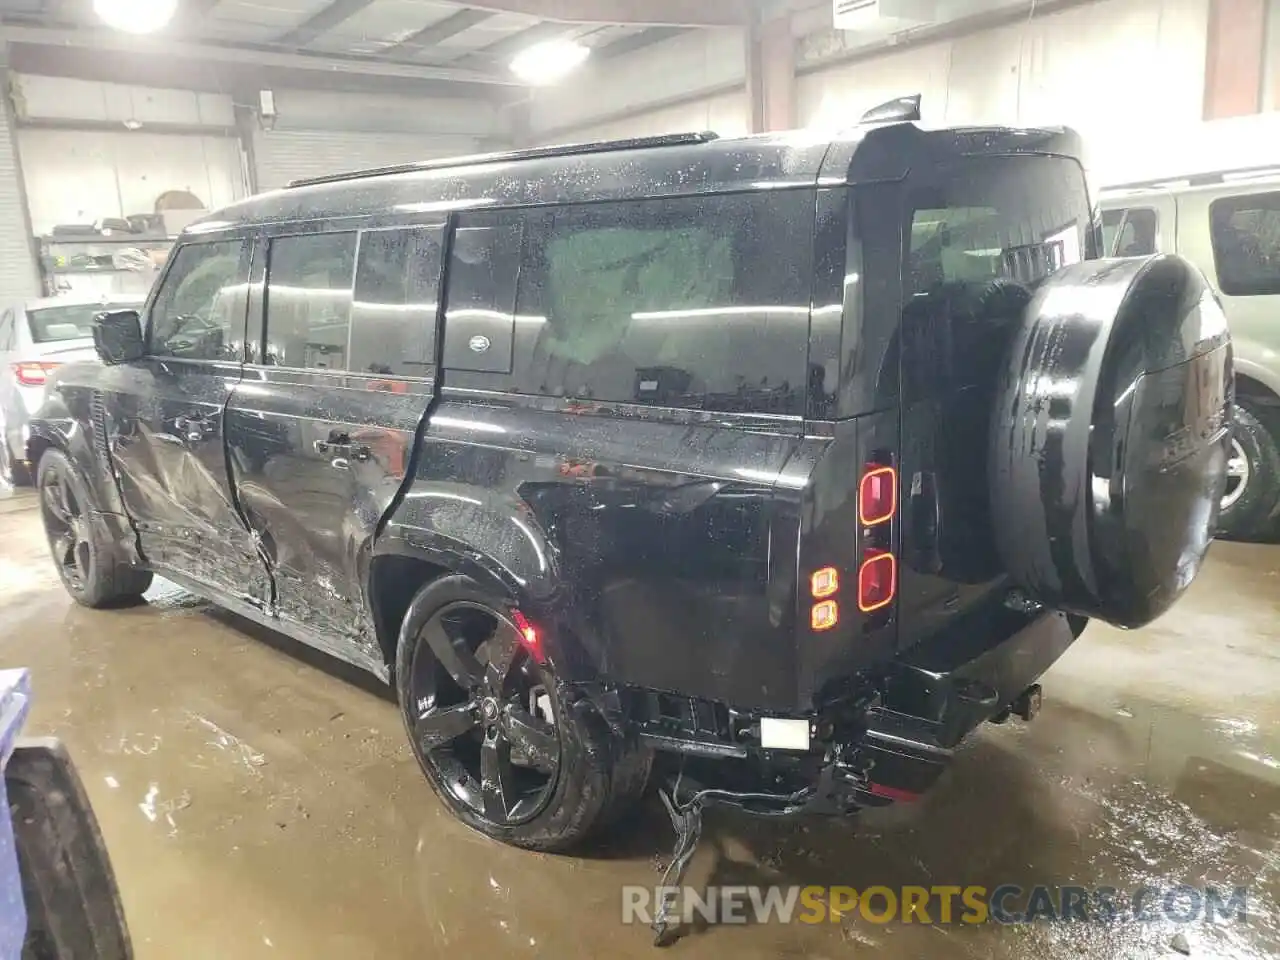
(71, 322)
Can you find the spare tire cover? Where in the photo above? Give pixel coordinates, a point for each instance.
(1109, 439)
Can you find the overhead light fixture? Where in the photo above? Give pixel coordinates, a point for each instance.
(136, 16)
(549, 61)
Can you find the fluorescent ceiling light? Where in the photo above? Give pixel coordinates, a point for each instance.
(136, 16)
(549, 61)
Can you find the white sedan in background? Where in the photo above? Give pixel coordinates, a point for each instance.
(36, 338)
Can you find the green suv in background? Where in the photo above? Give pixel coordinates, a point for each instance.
(1228, 224)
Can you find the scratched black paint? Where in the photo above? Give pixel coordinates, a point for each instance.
(660, 547)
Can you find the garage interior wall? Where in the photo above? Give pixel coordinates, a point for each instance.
(695, 81)
(1128, 74)
(19, 278)
(79, 168)
(322, 133)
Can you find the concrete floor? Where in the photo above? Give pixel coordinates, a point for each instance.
(259, 801)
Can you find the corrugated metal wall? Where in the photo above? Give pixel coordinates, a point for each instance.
(18, 277)
(284, 155)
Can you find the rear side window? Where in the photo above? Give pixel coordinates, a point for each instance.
(1129, 232)
(6, 331)
(393, 317)
(1019, 218)
(1245, 232)
(199, 310)
(55, 324)
(308, 300)
(693, 302)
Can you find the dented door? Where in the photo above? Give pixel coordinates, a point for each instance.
(321, 429)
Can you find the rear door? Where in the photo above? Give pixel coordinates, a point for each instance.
(321, 430)
(979, 234)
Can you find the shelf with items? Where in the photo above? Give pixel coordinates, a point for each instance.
(119, 263)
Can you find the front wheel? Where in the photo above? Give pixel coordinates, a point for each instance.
(1253, 477)
(509, 754)
(81, 550)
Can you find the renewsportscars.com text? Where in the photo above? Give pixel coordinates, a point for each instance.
(939, 904)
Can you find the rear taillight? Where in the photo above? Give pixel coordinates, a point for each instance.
(33, 373)
(877, 572)
(877, 495)
(877, 580)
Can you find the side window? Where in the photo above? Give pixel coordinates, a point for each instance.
(199, 310)
(308, 300)
(479, 322)
(6, 331)
(1245, 231)
(697, 302)
(1130, 232)
(394, 315)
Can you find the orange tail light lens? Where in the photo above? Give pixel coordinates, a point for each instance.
(877, 581)
(877, 495)
(824, 583)
(824, 615)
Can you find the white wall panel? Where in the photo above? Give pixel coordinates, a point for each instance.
(726, 114)
(80, 176)
(698, 62)
(369, 113)
(1128, 74)
(284, 155)
(64, 98)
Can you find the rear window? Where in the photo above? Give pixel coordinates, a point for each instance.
(698, 303)
(54, 324)
(982, 218)
(1129, 232)
(1245, 231)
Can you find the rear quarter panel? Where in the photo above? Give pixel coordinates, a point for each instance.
(656, 551)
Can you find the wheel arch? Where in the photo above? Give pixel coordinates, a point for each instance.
(404, 561)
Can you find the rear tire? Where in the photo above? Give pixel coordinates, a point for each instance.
(1253, 490)
(85, 557)
(468, 691)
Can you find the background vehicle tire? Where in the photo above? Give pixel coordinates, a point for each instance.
(501, 744)
(1109, 440)
(86, 561)
(1253, 478)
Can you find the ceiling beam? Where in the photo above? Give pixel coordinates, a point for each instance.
(649, 13)
(429, 36)
(637, 41)
(321, 22)
(190, 15)
(502, 50)
(157, 48)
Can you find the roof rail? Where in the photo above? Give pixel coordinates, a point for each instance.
(1200, 179)
(531, 153)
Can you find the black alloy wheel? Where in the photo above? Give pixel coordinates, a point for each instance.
(67, 529)
(482, 713)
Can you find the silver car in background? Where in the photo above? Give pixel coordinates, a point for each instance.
(36, 337)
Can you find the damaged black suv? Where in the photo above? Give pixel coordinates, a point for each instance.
(791, 460)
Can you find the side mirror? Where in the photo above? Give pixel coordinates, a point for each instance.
(117, 336)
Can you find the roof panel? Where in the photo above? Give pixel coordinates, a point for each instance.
(488, 32)
(256, 21)
(382, 24)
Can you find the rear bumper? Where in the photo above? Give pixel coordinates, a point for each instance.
(939, 693)
(889, 741)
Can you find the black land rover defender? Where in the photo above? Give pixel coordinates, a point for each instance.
(794, 459)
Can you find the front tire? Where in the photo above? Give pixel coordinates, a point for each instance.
(1253, 477)
(84, 556)
(501, 744)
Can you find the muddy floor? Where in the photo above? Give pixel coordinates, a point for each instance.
(259, 801)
